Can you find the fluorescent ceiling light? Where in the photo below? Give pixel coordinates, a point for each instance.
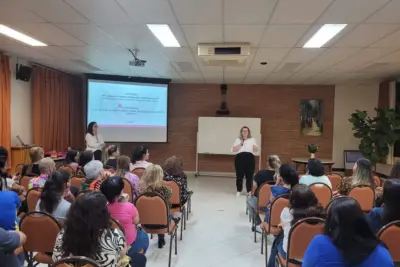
(323, 35)
(20, 36)
(164, 35)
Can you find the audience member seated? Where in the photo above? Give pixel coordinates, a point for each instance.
(260, 178)
(70, 159)
(10, 183)
(123, 171)
(9, 242)
(152, 181)
(94, 174)
(126, 214)
(113, 153)
(36, 154)
(286, 179)
(315, 174)
(173, 171)
(140, 157)
(395, 172)
(9, 203)
(87, 232)
(52, 199)
(380, 216)
(302, 204)
(84, 158)
(348, 240)
(362, 175)
(46, 166)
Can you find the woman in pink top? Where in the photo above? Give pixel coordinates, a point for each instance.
(140, 158)
(123, 171)
(125, 213)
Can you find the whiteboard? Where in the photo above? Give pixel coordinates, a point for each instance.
(216, 135)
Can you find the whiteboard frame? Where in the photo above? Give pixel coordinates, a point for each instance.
(198, 173)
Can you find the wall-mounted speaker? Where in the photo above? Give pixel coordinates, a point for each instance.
(23, 72)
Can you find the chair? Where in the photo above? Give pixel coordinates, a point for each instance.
(32, 198)
(377, 181)
(390, 235)
(66, 168)
(24, 181)
(41, 230)
(128, 189)
(116, 225)
(76, 261)
(138, 171)
(154, 211)
(322, 192)
(175, 201)
(327, 208)
(300, 236)
(18, 168)
(365, 196)
(335, 179)
(76, 180)
(271, 227)
(253, 190)
(264, 195)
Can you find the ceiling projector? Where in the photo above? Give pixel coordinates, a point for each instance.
(136, 62)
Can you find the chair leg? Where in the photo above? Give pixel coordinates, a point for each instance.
(29, 258)
(170, 250)
(184, 218)
(254, 227)
(151, 236)
(190, 204)
(266, 246)
(176, 241)
(187, 210)
(181, 228)
(262, 243)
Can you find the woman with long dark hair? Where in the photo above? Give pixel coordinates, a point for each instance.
(395, 172)
(390, 211)
(94, 140)
(87, 232)
(244, 146)
(70, 159)
(302, 204)
(52, 199)
(348, 240)
(84, 158)
(140, 157)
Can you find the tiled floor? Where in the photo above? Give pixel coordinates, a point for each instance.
(218, 230)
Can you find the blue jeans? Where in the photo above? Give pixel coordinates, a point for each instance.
(141, 243)
(277, 247)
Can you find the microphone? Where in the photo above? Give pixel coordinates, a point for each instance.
(241, 143)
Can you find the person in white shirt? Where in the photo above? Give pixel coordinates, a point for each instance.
(244, 147)
(315, 174)
(94, 140)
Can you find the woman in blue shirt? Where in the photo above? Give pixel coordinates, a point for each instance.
(348, 240)
(390, 211)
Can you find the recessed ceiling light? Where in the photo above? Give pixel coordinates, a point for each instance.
(7, 31)
(164, 35)
(323, 35)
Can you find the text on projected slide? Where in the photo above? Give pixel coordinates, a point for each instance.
(126, 104)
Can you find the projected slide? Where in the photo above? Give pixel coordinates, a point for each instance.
(129, 112)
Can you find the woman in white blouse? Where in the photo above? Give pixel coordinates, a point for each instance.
(244, 147)
(94, 140)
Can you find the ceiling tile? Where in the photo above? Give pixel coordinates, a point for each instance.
(299, 77)
(391, 58)
(283, 35)
(302, 55)
(202, 34)
(88, 33)
(57, 52)
(255, 77)
(48, 33)
(329, 58)
(207, 12)
(100, 11)
(392, 40)
(85, 52)
(55, 11)
(27, 52)
(298, 12)
(388, 14)
(276, 78)
(350, 11)
(256, 67)
(366, 34)
(250, 34)
(12, 14)
(139, 10)
(253, 12)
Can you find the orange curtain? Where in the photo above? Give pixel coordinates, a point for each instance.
(5, 103)
(58, 117)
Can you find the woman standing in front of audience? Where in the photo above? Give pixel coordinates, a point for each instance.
(94, 140)
(362, 175)
(348, 240)
(244, 146)
(140, 157)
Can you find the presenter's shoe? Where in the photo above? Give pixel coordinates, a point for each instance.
(238, 194)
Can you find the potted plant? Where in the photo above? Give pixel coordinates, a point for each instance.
(376, 134)
(312, 149)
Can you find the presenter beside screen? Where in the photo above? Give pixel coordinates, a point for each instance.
(245, 164)
(94, 140)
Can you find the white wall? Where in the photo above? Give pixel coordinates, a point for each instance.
(21, 107)
(348, 98)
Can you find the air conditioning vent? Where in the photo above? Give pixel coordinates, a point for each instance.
(227, 54)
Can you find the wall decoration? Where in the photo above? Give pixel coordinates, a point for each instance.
(311, 117)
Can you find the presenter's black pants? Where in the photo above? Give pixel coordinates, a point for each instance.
(245, 165)
(97, 155)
